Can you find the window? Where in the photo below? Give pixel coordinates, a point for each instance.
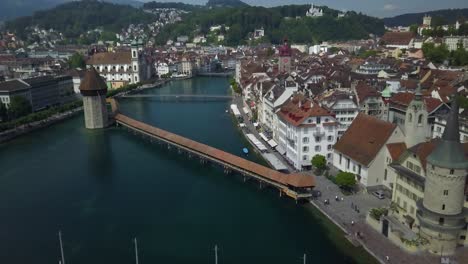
(410, 118)
(317, 148)
(305, 140)
(445, 192)
(329, 156)
(134, 54)
(318, 120)
(329, 147)
(359, 169)
(341, 156)
(441, 221)
(330, 138)
(305, 157)
(305, 149)
(347, 163)
(420, 117)
(317, 139)
(443, 207)
(134, 67)
(451, 172)
(354, 167)
(385, 175)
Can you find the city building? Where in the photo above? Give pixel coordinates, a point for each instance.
(12, 88)
(305, 129)
(362, 149)
(122, 67)
(44, 92)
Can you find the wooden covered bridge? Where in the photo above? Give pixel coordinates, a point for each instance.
(297, 186)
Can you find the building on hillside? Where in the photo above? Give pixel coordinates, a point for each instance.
(285, 54)
(12, 88)
(362, 149)
(455, 42)
(314, 11)
(305, 129)
(427, 20)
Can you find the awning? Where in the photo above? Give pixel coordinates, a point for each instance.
(263, 136)
(280, 150)
(242, 125)
(256, 142)
(272, 143)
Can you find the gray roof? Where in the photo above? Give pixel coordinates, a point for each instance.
(13, 85)
(449, 152)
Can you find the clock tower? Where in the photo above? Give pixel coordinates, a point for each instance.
(284, 63)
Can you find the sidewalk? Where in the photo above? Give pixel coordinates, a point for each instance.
(342, 214)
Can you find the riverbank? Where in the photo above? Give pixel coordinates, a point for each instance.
(33, 126)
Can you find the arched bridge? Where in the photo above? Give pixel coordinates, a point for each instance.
(297, 186)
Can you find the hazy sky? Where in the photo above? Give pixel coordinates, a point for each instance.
(380, 8)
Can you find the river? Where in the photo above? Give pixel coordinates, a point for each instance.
(103, 188)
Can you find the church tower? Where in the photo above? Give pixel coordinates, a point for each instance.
(94, 90)
(416, 127)
(136, 48)
(441, 213)
(285, 53)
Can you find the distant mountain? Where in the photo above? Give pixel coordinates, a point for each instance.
(10, 9)
(226, 3)
(176, 5)
(75, 18)
(445, 16)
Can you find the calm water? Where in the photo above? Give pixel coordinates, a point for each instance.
(103, 188)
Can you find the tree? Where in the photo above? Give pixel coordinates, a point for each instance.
(77, 61)
(414, 28)
(319, 162)
(345, 180)
(19, 106)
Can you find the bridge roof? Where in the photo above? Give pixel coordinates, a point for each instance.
(294, 180)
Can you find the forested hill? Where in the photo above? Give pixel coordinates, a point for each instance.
(278, 22)
(226, 3)
(446, 16)
(175, 5)
(75, 18)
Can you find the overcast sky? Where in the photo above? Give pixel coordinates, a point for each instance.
(380, 8)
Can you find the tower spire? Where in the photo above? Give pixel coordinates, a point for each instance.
(449, 152)
(418, 93)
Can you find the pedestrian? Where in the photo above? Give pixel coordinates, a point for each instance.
(342, 199)
(352, 223)
(387, 258)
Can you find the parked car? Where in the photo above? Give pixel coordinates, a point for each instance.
(379, 194)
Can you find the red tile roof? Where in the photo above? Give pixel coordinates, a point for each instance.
(364, 91)
(404, 99)
(299, 108)
(397, 38)
(364, 138)
(396, 149)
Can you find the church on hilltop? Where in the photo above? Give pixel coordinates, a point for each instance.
(314, 11)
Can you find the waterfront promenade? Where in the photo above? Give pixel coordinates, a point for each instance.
(350, 221)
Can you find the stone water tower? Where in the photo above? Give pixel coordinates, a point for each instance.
(94, 90)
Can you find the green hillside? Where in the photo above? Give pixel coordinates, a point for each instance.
(75, 18)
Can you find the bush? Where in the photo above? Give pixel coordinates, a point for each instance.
(377, 213)
(345, 180)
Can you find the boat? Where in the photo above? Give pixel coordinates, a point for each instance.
(245, 150)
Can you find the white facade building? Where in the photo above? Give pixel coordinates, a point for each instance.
(305, 129)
